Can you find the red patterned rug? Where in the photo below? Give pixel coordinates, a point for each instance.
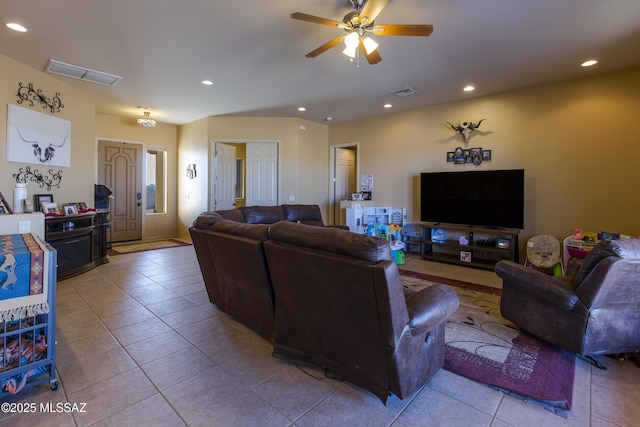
(484, 346)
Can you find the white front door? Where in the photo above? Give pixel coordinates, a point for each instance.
(223, 177)
(262, 174)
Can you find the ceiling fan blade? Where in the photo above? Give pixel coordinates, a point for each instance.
(371, 9)
(316, 20)
(325, 47)
(402, 30)
(372, 58)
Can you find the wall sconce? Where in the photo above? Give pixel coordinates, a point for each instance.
(191, 171)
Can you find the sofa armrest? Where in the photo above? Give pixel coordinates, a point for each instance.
(430, 307)
(537, 285)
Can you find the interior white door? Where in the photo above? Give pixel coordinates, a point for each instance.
(223, 177)
(262, 174)
(344, 179)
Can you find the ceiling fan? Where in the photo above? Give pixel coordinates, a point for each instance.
(359, 24)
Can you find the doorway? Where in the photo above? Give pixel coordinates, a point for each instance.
(120, 169)
(256, 170)
(344, 172)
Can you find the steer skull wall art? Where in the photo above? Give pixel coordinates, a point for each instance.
(37, 138)
(465, 129)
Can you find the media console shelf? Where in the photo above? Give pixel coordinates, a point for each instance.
(75, 239)
(486, 246)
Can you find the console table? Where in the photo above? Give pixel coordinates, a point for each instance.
(486, 246)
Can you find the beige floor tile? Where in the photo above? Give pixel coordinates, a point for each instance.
(138, 332)
(154, 411)
(295, 389)
(127, 318)
(202, 394)
(170, 306)
(177, 367)
(86, 348)
(432, 407)
(111, 396)
(185, 317)
(157, 346)
(247, 411)
(86, 372)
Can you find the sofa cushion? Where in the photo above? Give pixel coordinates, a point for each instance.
(207, 219)
(262, 214)
(305, 214)
(232, 214)
(332, 240)
(251, 231)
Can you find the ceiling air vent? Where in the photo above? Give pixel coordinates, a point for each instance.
(407, 91)
(81, 73)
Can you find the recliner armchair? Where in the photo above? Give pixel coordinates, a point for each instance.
(595, 312)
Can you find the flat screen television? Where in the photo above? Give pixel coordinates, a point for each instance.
(481, 198)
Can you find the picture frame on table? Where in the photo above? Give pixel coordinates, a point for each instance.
(28, 205)
(50, 208)
(4, 205)
(81, 205)
(39, 199)
(70, 209)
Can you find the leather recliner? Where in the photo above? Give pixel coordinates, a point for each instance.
(340, 304)
(595, 312)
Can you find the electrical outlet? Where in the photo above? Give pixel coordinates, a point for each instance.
(24, 227)
(292, 198)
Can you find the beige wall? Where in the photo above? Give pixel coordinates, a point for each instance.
(155, 225)
(576, 141)
(78, 108)
(296, 147)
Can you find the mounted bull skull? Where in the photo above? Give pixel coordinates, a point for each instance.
(42, 151)
(466, 128)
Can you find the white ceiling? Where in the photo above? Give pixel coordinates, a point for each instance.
(254, 53)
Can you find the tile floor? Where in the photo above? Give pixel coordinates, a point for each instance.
(140, 345)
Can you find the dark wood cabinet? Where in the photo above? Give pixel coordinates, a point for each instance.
(80, 241)
(101, 237)
(485, 247)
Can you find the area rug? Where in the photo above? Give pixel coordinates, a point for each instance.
(146, 246)
(484, 346)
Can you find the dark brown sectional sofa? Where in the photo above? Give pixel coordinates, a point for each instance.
(323, 295)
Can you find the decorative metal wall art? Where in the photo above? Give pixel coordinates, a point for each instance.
(28, 93)
(465, 129)
(26, 174)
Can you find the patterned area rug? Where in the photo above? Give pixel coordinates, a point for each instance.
(484, 346)
(146, 246)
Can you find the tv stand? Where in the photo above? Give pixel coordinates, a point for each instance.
(474, 254)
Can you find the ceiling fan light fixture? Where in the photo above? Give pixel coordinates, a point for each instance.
(352, 40)
(370, 45)
(350, 51)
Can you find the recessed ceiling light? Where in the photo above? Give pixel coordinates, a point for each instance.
(207, 82)
(16, 27)
(469, 88)
(302, 109)
(388, 105)
(328, 119)
(589, 63)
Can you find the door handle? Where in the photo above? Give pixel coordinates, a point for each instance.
(138, 196)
